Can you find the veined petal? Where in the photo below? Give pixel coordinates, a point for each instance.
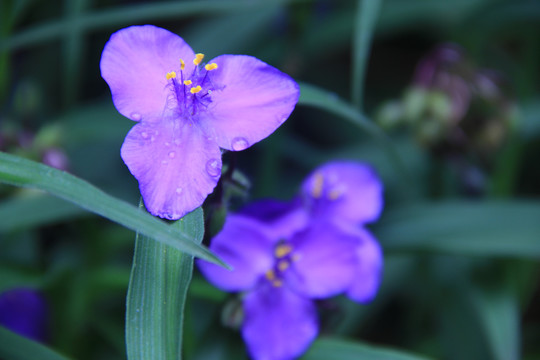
(279, 324)
(255, 99)
(175, 164)
(344, 191)
(323, 260)
(283, 218)
(368, 270)
(135, 62)
(243, 244)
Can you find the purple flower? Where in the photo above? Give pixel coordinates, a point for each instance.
(24, 312)
(285, 254)
(281, 277)
(186, 111)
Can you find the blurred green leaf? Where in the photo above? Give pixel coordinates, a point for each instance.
(366, 17)
(159, 281)
(16, 347)
(22, 172)
(324, 349)
(316, 97)
(130, 14)
(24, 212)
(497, 310)
(489, 228)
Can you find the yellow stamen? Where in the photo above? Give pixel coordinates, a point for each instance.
(277, 283)
(195, 89)
(270, 275)
(282, 250)
(210, 67)
(170, 75)
(187, 82)
(335, 194)
(198, 58)
(182, 64)
(283, 265)
(318, 182)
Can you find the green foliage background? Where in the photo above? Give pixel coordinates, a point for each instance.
(461, 277)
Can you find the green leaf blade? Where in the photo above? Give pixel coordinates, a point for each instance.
(18, 171)
(16, 347)
(157, 291)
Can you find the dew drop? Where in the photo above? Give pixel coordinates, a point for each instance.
(177, 141)
(172, 154)
(144, 135)
(164, 162)
(152, 138)
(239, 144)
(213, 168)
(167, 143)
(178, 190)
(135, 116)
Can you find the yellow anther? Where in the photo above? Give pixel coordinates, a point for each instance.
(283, 265)
(335, 194)
(318, 182)
(270, 275)
(170, 75)
(187, 82)
(195, 89)
(198, 58)
(277, 283)
(282, 250)
(210, 67)
(182, 64)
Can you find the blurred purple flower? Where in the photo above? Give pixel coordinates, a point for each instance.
(187, 111)
(285, 254)
(24, 312)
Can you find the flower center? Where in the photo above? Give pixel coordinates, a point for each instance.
(328, 188)
(191, 93)
(284, 256)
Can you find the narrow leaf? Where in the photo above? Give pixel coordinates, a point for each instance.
(324, 349)
(16, 347)
(366, 17)
(159, 281)
(17, 171)
(489, 228)
(313, 96)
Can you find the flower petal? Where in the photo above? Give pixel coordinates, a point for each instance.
(344, 191)
(323, 260)
(283, 218)
(24, 311)
(175, 164)
(279, 324)
(368, 270)
(255, 99)
(135, 62)
(243, 244)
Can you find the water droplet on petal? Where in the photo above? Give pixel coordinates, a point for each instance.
(144, 135)
(164, 162)
(172, 154)
(152, 138)
(135, 116)
(167, 143)
(177, 141)
(213, 168)
(178, 190)
(239, 144)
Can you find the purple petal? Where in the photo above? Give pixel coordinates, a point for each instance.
(279, 324)
(369, 267)
(344, 191)
(283, 218)
(243, 244)
(24, 312)
(175, 164)
(255, 100)
(135, 62)
(323, 261)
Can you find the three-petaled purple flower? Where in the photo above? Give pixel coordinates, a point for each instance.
(186, 111)
(285, 254)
